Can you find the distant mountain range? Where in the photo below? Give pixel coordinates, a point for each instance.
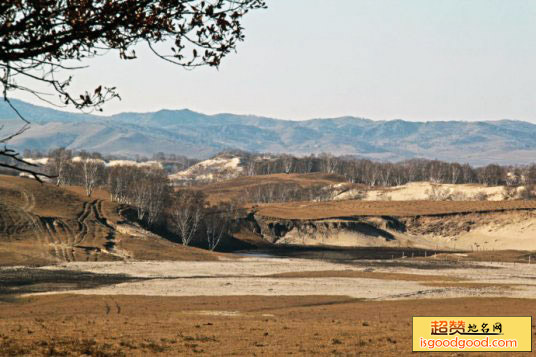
(198, 135)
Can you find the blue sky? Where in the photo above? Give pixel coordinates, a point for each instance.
(380, 59)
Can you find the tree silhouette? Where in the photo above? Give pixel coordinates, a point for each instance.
(44, 41)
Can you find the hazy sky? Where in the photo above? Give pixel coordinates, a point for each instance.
(380, 59)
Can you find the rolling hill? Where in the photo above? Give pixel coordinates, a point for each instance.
(199, 136)
(74, 228)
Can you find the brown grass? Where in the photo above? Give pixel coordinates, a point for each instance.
(24, 253)
(234, 188)
(50, 200)
(365, 274)
(471, 285)
(438, 281)
(492, 256)
(57, 211)
(248, 325)
(152, 249)
(352, 208)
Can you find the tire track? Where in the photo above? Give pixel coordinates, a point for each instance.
(9, 226)
(29, 201)
(114, 305)
(56, 252)
(60, 230)
(29, 216)
(82, 225)
(50, 231)
(99, 216)
(18, 221)
(3, 223)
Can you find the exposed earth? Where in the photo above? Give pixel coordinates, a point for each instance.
(291, 276)
(252, 306)
(341, 278)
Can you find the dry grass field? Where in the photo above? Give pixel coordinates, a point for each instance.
(43, 224)
(234, 188)
(113, 289)
(352, 208)
(71, 325)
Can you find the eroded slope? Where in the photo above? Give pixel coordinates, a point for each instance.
(42, 223)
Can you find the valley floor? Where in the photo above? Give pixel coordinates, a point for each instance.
(364, 279)
(240, 326)
(106, 287)
(251, 305)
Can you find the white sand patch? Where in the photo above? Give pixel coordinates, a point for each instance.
(217, 313)
(153, 164)
(514, 235)
(358, 287)
(41, 161)
(423, 190)
(212, 169)
(243, 267)
(348, 238)
(80, 159)
(243, 277)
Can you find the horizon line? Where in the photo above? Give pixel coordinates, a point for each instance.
(102, 115)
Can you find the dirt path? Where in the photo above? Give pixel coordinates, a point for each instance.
(96, 207)
(83, 227)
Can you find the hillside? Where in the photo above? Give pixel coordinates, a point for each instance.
(43, 224)
(218, 168)
(449, 225)
(352, 208)
(197, 135)
(236, 188)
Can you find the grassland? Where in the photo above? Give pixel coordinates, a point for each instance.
(186, 301)
(246, 325)
(44, 224)
(353, 208)
(105, 321)
(234, 188)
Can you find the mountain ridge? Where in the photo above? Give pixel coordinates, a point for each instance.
(199, 135)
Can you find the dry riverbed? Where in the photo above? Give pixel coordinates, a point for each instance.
(373, 279)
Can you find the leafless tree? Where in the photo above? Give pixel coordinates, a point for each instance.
(530, 175)
(39, 40)
(60, 161)
(217, 222)
(150, 192)
(251, 167)
(92, 171)
(186, 214)
(158, 196)
(288, 163)
(309, 164)
(120, 181)
(329, 163)
(455, 172)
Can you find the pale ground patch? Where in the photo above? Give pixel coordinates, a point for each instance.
(153, 164)
(244, 277)
(520, 235)
(421, 191)
(346, 238)
(415, 191)
(504, 233)
(218, 313)
(41, 161)
(216, 168)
